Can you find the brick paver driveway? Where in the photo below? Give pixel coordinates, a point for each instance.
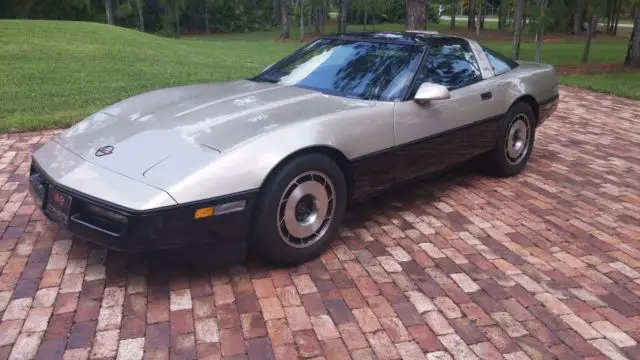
(543, 265)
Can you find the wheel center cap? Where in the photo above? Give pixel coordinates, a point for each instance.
(305, 208)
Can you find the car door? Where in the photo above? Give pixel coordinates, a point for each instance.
(432, 136)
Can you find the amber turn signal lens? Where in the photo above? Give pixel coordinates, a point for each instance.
(203, 213)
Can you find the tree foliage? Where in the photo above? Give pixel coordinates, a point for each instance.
(175, 17)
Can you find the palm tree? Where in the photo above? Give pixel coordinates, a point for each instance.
(140, 6)
(540, 29)
(342, 16)
(416, 15)
(593, 23)
(633, 54)
(285, 32)
(517, 29)
(454, 7)
(110, 14)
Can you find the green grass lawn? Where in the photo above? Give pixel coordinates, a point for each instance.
(53, 73)
(626, 84)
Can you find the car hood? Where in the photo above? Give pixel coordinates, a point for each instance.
(190, 126)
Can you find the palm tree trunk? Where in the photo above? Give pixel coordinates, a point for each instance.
(540, 31)
(633, 54)
(364, 23)
(617, 21)
(285, 32)
(342, 16)
(502, 15)
(483, 13)
(301, 20)
(454, 7)
(140, 15)
(110, 15)
(206, 20)
(274, 12)
(609, 15)
(416, 15)
(479, 14)
(177, 23)
(577, 18)
(471, 16)
(590, 31)
(517, 29)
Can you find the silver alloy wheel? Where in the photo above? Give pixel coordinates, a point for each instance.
(517, 141)
(306, 209)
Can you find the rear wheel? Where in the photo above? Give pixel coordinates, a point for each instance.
(300, 209)
(515, 142)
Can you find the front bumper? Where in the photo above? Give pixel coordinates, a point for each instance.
(134, 231)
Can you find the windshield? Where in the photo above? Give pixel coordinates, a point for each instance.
(358, 69)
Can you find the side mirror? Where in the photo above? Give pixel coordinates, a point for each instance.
(430, 91)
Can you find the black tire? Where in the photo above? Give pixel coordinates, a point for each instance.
(497, 161)
(266, 239)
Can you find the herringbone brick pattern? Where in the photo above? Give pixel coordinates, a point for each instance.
(543, 265)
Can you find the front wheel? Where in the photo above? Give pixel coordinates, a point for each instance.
(515, 142)
(300, 208)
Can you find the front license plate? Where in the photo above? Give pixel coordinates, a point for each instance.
(58, 205)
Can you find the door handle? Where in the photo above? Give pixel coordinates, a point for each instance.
(486, 96)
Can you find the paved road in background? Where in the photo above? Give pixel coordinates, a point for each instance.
(495, 19)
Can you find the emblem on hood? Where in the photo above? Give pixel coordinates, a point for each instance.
(105, 150)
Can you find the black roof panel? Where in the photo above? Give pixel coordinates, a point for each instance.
(399, 37)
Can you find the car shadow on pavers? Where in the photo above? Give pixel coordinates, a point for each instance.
(205, 258)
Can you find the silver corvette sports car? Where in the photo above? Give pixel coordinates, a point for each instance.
(271, 161)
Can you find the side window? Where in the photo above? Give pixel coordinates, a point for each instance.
(450, 65)
(499, 63)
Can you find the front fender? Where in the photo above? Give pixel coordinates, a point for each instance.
(245, 166)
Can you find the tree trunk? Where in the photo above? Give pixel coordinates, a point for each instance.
(206, 20)
(479, 15)
(324, 13)
(301, 20)
(617, 21)
(140, 15)
(274, 12)
(471, 16)
(540, 31)
(577, 18)
(111, 20)
(285, 32)
(325, 9)
(483, 13)
(254, 5)
(342, 15)
(502, 15)
(590, 30)
(633, 54)
(364, 24)
(610, 4)
(517, 29)
(454, 7)
(177, 23)
(317, 14)
(416, 15)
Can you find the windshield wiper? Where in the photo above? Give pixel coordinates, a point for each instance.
(264, 79)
